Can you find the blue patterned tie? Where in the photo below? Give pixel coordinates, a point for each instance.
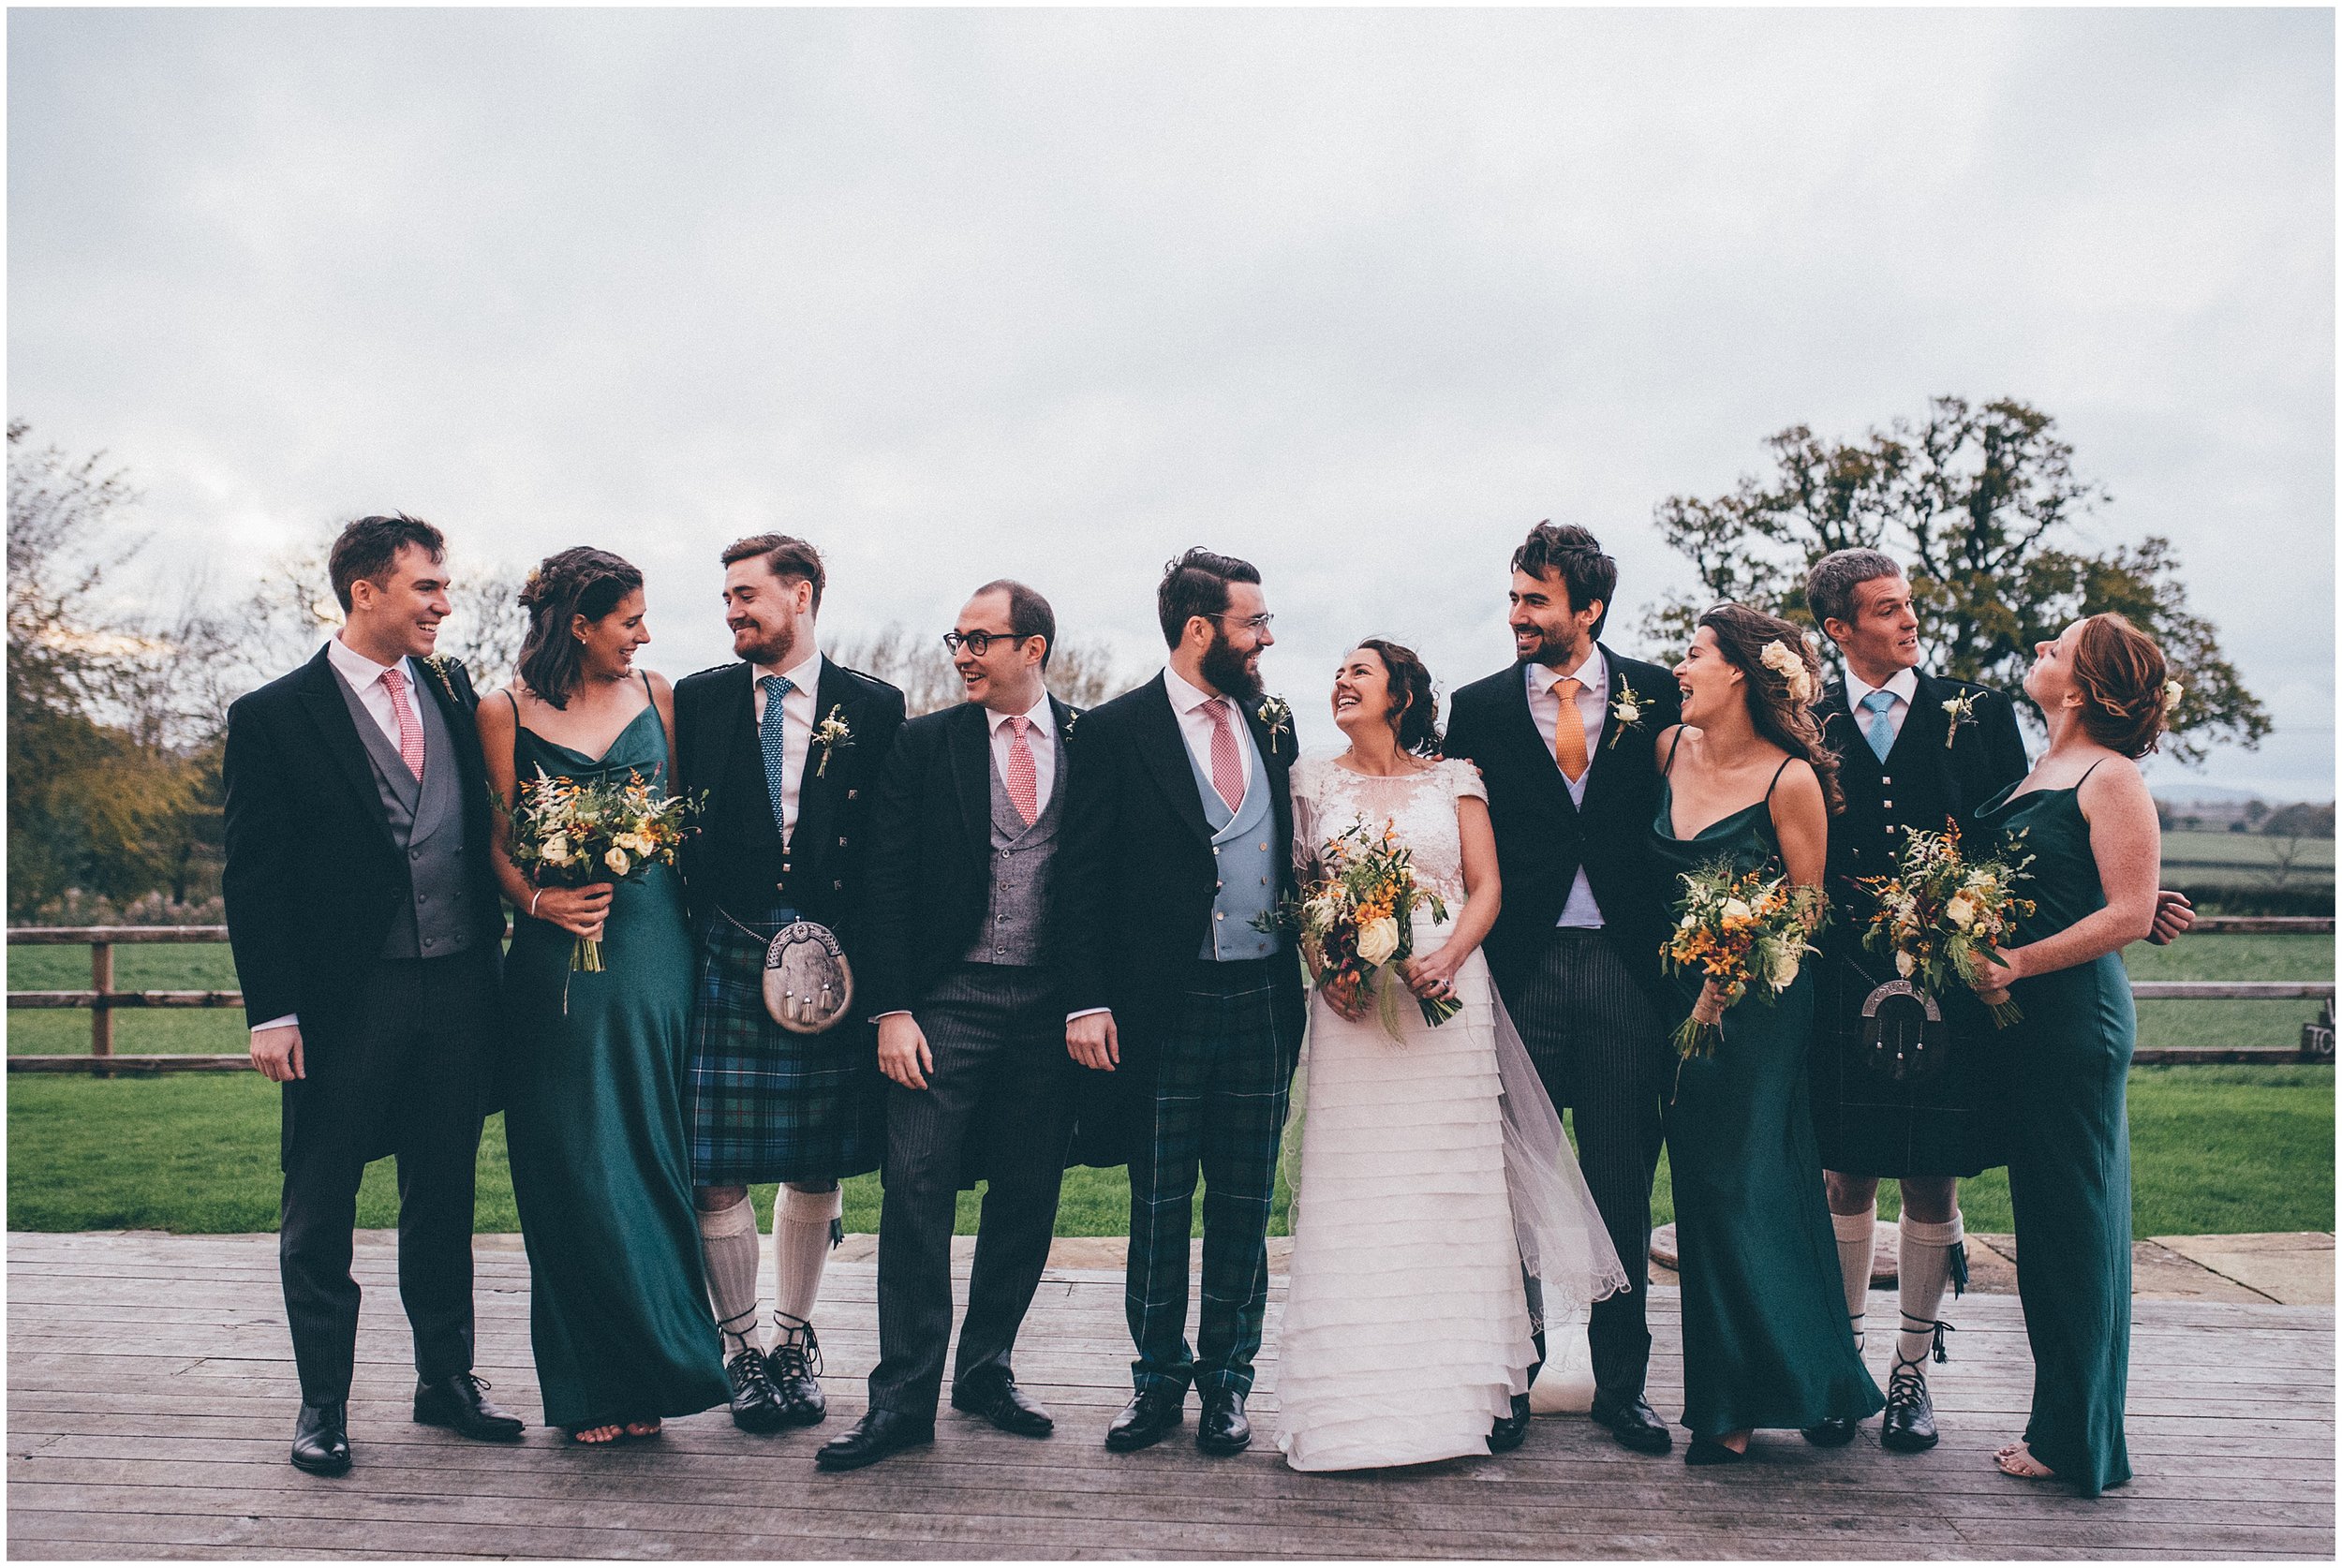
(769, 733)
(1880, 734)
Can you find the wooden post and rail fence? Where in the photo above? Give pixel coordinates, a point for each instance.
(103, 1000)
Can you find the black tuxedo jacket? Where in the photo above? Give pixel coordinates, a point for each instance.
(929, 873)
(1542, 836)
(714, 711)
(313, 877)
(1923, 784)
(1137, 873)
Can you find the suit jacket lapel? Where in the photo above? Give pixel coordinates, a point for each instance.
(1164, 750)
(729, 709)
(1923, 727)
(1542, 765)
(321, 694)
(1596, 772)
(823, 778)
(970, 748)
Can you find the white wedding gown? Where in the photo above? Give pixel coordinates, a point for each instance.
(1432, 1170)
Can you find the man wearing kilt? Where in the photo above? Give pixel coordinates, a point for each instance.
(1189, 1014)
(786, 747)
(1917, 753)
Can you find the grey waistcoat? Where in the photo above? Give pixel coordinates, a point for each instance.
(1243, 859)
(428, 824)
(1012, 931)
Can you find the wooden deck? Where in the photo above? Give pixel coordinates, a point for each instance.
(151, 1394)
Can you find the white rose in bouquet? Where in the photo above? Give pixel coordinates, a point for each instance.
(1782, 970)
(1736, 910)
(1378, 941)
(1961, 910)
(617, 861)
(1904, 963)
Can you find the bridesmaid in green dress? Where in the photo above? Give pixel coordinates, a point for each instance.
(2089, 823)
(618, 1313)
(1765, 1341)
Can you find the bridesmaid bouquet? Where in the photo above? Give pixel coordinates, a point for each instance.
(1940, 912)
(566, 834)
(1357, 920)
(1746, 932)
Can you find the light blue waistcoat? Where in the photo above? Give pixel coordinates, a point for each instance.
(1245, 853)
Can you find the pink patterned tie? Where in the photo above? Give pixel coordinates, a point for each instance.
(1024, 780)
(1227, 763)
(410, 727)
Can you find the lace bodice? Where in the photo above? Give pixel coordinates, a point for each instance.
(1420, 807)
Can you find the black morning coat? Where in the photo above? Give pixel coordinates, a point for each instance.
(1135, 887)
(313, 877)
(1542, 836)
(714, 711)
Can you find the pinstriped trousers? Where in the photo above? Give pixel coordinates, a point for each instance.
(1601, 1049)
(1002, 1086)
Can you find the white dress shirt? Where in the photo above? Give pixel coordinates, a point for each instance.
(1902, 685)
(365, 677)
(796, 735)
(1040, 737)
(1578, 912)
(1194, 707)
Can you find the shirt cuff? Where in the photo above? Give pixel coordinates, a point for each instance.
(1087, 1013)
(289, 1019)
(882, 1017)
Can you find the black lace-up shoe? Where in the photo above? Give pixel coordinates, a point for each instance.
(459, 1402)
(753, 1407)
(794, 1368)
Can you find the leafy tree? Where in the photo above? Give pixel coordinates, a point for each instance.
(1979, 503)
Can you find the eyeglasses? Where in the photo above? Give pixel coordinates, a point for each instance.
(1250, 622)
(979, 642)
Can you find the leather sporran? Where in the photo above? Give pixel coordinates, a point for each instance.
(808, 986)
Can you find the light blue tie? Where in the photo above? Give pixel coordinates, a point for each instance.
(775, 753)
(1880, 734)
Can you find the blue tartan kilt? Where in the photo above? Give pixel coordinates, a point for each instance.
(762, 1104)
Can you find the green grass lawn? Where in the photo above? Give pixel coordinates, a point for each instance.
(2214, 1149)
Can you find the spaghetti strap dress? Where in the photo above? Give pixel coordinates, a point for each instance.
(618, 1314)
(1765, 1341)
(2068, 1064)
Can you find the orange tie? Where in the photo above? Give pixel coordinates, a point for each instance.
(1569, 731)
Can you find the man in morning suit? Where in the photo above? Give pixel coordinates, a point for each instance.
(1916, 753)
(955, 946)
(1178, 841)
(366, 927)
(1563, 739)
(786, 747)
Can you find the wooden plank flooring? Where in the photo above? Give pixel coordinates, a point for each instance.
(150, 1400)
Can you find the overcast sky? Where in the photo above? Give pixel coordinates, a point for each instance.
(1356, 295)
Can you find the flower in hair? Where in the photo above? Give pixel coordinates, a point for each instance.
(2172, 692)
(1782, 661)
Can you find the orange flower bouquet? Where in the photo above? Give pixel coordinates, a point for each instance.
(1357, 920)
(1748, 932)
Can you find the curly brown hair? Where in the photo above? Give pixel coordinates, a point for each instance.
(2120, 674)
(1414, 702)
(578, 582)
(1779, 705)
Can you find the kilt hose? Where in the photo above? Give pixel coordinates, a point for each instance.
(1601, 1049)
(1223, 1076)
(764, 1104)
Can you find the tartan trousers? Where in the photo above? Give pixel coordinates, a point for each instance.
(1223, 1076)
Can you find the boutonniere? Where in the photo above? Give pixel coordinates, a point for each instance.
(831, 733)
(1066, 729)
(1958, 710)
(1626, 707)
(1277, 714)
(439, 664)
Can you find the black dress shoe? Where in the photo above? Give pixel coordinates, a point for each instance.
(753, 1407)
(1152, 1416)
(458, 1402)
(1703, 1451)
(1830, 1432)
(1634, 1425)
(321, 1439)
(1221, 1428)
(875, 1436)
(1509, 1431)
(793, 1369)
(999, 1400)
(1909, 1425)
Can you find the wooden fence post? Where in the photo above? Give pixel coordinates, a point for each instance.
(101, 1017)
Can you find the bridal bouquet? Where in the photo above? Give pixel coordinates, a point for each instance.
(1358, 922)
(1941, 912)
(1746, 932)
(566, 834)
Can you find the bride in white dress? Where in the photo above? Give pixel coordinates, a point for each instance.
(1434, 1172)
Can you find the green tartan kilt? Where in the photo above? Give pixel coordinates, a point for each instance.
(762, 1104)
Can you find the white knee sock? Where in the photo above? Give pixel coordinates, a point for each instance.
(1925, 1265)
(727, 1244)
(1855, 1237)
(801, 1241)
